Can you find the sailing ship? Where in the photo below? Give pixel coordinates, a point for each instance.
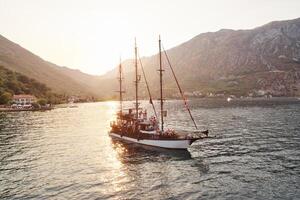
(133, 125)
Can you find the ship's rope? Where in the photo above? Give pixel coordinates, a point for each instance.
(148, 89)
(180, 90)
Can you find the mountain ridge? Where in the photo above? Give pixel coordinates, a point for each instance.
(209, 58)
(16, 58)
(242, 62)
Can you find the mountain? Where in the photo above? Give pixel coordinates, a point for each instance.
(263, 60)
(12, 83)
(59, 79)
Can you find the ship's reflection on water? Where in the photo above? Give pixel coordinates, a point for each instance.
(151, 169)
(128, 151)
(148, 169)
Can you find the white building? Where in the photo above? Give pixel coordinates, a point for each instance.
(24, 99)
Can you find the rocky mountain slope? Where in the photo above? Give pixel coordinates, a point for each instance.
(242, 62)
(260, 61)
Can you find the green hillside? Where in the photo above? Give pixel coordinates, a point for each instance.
(59, 79)
(15, 83)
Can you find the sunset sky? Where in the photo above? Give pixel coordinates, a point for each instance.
(90, 35)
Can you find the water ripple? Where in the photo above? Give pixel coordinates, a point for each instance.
(66, 154)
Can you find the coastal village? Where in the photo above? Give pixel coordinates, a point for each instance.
(281, 91)
(29, 102)
(26, 102)
(254, 94)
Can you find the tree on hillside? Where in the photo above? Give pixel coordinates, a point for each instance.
(42, 102)
(15, 83)
(5, 97)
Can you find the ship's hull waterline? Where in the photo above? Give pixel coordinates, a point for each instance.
(167, 144)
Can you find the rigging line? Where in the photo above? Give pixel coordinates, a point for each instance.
(180, 90)
(150, 96)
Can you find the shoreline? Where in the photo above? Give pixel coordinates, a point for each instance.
(214, 98)
(8, 109)
(19, 110)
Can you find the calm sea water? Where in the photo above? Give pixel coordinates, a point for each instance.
(66, 154)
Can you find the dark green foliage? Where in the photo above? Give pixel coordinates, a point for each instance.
(15, 83)
(36, 105)
(42, 102)
(5, 97)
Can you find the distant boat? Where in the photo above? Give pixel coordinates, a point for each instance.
(72, 105)
(133, 125)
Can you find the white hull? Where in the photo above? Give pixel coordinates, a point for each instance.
(169, 144)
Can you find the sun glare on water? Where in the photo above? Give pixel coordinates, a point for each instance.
(112, 109)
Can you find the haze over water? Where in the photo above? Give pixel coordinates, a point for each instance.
(66, 154)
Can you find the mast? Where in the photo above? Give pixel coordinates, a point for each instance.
(120, 88)
(161, 89)
(136, 81)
